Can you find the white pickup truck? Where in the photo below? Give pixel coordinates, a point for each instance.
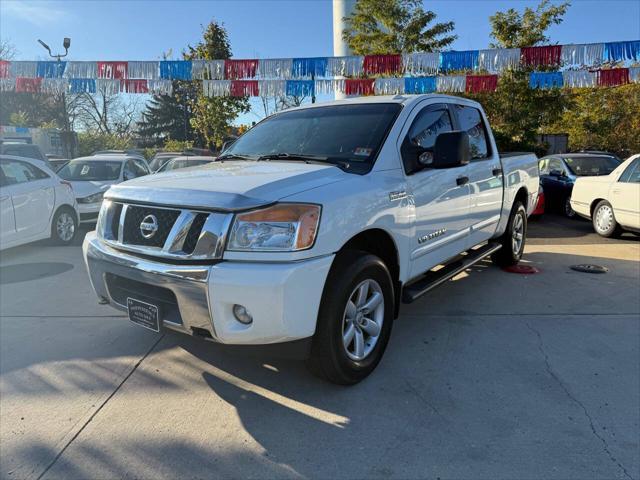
(314, 226)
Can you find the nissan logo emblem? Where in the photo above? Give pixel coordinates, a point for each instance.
(149, 226)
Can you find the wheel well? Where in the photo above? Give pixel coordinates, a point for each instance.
(379, 243)
(66, 206)
(523, 197)
(593, 205)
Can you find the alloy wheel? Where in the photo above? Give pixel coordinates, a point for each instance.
(362, 320)
(65, 227)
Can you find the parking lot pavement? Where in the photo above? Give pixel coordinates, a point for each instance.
(494, 375)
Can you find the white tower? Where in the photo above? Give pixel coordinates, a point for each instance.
(341, 9)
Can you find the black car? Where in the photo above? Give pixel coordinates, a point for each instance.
(558, 173)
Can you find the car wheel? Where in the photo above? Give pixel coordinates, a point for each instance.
(64, 226)
(604, 221)
(568, 210)
(355, 319)
(513, 239)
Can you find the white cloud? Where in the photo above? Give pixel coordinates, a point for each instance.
(40, 13)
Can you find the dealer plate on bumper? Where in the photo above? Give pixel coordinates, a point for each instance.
(144, 314)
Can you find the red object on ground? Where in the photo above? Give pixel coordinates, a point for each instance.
(28, 85)
(382, 64)
(243, 88)
(613, 77)
(536, 56)
(236, 69)
(539, 210)
(134, 86)
(522, 269)
(360, 86)
(481, 83)
(113, 70)
(4, 69)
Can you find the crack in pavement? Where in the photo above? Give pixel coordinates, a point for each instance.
(93, 415)
(576, 401)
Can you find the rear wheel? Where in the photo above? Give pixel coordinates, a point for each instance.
(569, 212)
(513, 239)
(355, 318)
(604, 221)
(64, 226)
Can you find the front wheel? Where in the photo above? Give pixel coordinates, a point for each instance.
(569, 212)
(64, 226)
(513, 239)
(355, 318)
(604, 221)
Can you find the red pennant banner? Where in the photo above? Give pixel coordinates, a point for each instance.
(4, 69)
(613, 77)
(28, 85)
(113, 70)
(360, 86)
(234, 69)
(243, 88)
(538, 56)
(382, 64)
(481, 83)
(134, 86)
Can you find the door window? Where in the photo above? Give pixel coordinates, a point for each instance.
(14, 172)
(471, 122)
(140, 168)
(631, 174)
(428, 124)
(556, 164)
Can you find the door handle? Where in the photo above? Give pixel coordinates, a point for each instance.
(462, 181)
(496, 172)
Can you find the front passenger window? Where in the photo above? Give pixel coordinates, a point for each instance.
(428, 124)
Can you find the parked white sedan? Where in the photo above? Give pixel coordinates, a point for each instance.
(34, 203)
(611, 202)
(92, 176)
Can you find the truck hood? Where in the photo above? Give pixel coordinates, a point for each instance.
(227, 186)
(84, 189)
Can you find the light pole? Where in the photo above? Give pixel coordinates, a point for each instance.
(66, 43)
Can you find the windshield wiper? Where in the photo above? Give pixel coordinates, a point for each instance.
(305, 158)
(234, 156)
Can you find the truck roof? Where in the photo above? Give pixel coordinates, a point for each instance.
(400, 98)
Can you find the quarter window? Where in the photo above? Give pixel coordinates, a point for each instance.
(631, 174)
(471, 122)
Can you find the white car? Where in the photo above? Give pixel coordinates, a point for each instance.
(34, 203)
(92, 176)
(611, 202)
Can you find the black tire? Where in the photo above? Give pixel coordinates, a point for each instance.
(329, 358)
(603, 227)
(60, 236)
(509, 255)
(567, 209)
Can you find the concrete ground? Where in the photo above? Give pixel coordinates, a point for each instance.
(495, 375)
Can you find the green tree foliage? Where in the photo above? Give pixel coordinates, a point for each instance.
(395, 26)
(517, 112)
(603, 119)
(89, 142)
(166, 116)
(213, 116)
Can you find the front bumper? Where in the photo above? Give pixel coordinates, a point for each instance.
(283, 298)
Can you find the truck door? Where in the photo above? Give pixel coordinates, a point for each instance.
(441, 196)
(485, 175)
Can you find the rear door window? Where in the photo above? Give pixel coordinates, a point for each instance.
(433, 120)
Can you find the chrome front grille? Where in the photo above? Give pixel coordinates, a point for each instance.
(178, 234)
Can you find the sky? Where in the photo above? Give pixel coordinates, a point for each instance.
(144, 30)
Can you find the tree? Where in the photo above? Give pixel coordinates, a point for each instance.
(7, 50)
(517, 112)
(395, 26)
(107, 113)
(166, 116)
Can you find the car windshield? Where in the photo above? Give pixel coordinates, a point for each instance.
(177, 164)
(592, 165)
(337, 133)
(92, 170)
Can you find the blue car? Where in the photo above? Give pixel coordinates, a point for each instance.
(558, 173)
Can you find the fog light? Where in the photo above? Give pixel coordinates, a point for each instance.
(242, 314)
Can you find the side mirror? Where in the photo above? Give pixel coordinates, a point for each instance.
(451, 150)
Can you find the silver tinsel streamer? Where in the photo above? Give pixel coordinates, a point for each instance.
(329, 86)
(107, 86)
(81, 70)
(213, 70)
(418, 64)
(160, 87)
(216, 88)
(579, 79)
(272, 88)
(23, 69)
(345, 66)
(7, 84)
(634, 74)
(591, 54)
(55, 86)
(454, 83)
(498, 59)
(275, 68)
(148, 70)
(389, 86)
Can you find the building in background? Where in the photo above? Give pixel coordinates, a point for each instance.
(51, 141)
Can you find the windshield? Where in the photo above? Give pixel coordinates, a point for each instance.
(352, 133)
(584, 166)
(177, 164)
(90, 170)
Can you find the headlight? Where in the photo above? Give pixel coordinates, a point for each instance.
(283, 227)
(95, 198)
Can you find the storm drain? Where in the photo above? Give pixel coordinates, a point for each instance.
(589, 268)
